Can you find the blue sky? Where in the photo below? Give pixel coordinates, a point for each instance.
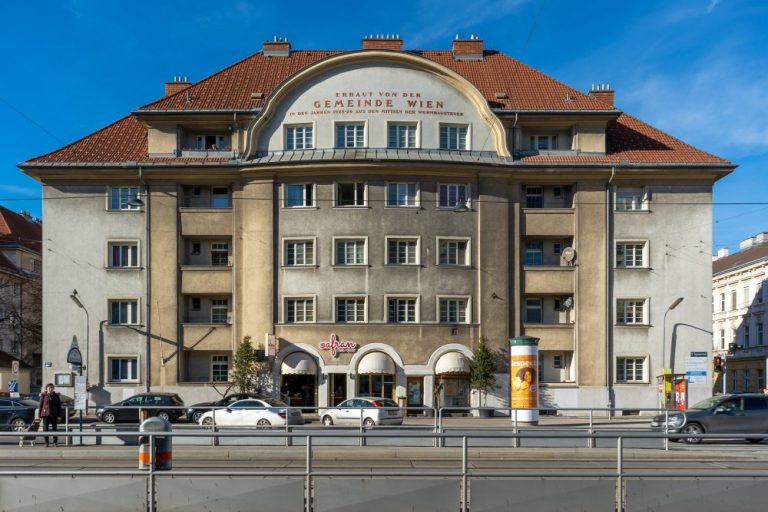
(697, 69)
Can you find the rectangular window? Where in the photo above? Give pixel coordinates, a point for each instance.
(350, 252)
(746, 334)
(36, 266)
(219, 254)
(759, 333)
(298, 137)
(534, 253)
(557, 248)
(759, 293)
(630, 254)
(350, 194)
(210, 142)
(453, 252)
(195, 304)
(402, 135)
(299, 311)
(402, 251)
(401, 194)
(453, 311)
(722, 339)
(401, 310)
(219, 311)
(123, 369)
(123, 312)
(350, 310)
(350, 135)
(542, 142)
(631, 199)
(452, 195)
(630, 311)
(557, 361)
(220, 368)
(453, 137)
(299, 196)
(734, 304)
(630, 369)
(533, 311)
(123, 254)
(722, 302)
(121, 196)
(220, 198)
(196, 248)
(299, 252)
(534, 197)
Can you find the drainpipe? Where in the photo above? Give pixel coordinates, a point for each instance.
(148, 221)
(608, 294)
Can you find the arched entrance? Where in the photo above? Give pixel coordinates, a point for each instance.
(376, 376)
(452, 379)
(298, 376)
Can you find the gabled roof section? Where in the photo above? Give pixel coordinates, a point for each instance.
(740, 259)
(16, 229)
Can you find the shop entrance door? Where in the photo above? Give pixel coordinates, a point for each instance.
(300, 390)
(337, 388)
(415, 394)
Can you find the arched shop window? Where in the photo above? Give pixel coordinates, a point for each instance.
(452, 375)
(376, 376)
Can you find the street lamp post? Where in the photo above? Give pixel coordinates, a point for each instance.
(76, 299)
(664, 334)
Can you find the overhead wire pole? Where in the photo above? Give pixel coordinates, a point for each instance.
(84, 367)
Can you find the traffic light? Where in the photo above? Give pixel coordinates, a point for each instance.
(718, 363)
(733, 347)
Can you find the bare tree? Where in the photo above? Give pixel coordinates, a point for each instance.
(21, 315)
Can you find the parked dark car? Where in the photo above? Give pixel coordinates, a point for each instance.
(168, 406)
(195, 412)
(744, 413)
(16, 414)
(67, 403)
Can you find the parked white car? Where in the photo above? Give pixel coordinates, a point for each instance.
(366, 410)
(253, 412)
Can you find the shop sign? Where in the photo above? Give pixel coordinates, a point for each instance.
(336, 346)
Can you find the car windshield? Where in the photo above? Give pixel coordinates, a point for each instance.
(707, 403)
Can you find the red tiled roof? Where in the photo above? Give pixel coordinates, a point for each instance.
(629, 140)
(17, 229)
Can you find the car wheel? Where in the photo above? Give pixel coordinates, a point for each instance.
(164, 415)
(108, 417)
(369, 422)
(263, 423)
(207, 421)
(327, 421)
(18, 425)
(196, 416)
(693, 428)
(755, 440)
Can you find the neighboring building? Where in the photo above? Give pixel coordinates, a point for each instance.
(375, 212)
(20, 298)
(739, 316)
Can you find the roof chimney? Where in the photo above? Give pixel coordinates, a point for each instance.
(467, 49)
(722, 253)
(277, 47)
(382, 42)
(603, 92)
(178, 84)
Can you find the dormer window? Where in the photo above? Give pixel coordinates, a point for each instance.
(210, 143)
(542, 142)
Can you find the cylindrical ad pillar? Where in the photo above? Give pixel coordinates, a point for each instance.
(524, 378)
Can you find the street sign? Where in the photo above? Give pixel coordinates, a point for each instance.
(13, 388)
(81, 395)
(14, 370)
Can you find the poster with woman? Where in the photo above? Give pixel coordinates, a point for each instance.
(524, 381)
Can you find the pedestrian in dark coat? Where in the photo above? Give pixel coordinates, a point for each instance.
(50, 410)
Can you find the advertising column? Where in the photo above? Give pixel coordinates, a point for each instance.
(524, 375)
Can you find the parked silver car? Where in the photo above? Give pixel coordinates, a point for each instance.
(744, 413)
(363, 410)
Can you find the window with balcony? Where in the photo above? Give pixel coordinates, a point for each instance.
(219, 311)
(630, 369)
(450, 195)
(454, 137)
(631, 312)
(123, 254)
(219, 368)
(534, 197)
(631, 199)
(534, 252)
(453, 310)
(533, 311)
(195, 304)
(211, 143)
(219, 254)
(452, 252)
(350, 194)
(402, 251)
(402, 310)
(350, 135)
(402, 195)
(220, 198)
(402, 135)
(350, 310)
(542, 142)
(206, 197)
(631, 255)
(299, 137)
(299, 310)
(123, 369)
(350, 252)
(121, 197)
(299, 253)
(124, 312)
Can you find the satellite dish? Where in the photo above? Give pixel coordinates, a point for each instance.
(569, 254)
(568, 303)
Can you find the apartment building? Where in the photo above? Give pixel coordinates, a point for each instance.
(366, 216)
(739, 283)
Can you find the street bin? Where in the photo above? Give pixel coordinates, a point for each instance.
(163, 445)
